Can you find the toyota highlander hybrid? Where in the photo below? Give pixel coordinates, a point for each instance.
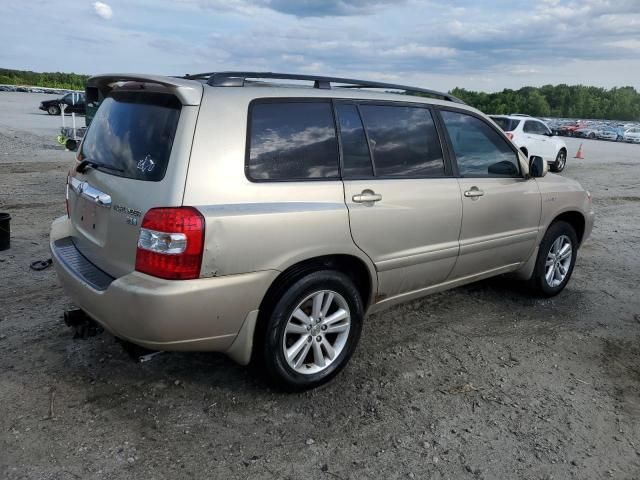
(228, 212)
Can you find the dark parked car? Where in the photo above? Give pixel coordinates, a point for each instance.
(75, 104)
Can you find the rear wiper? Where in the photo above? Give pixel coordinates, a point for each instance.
(84, 164)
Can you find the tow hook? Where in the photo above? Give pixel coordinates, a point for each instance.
(82, 325)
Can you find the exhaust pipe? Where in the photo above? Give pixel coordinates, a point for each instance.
(83, 325)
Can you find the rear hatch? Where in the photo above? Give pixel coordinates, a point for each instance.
(136, 153)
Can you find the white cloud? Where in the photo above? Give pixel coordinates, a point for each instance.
(524, 71)
(103, 10)
(414, 50)
(631, 44)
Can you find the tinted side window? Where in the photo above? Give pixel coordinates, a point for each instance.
(292, 141)
(534, 127)
(506, 124)
(404, 141)
(356, 161)
(479, 149)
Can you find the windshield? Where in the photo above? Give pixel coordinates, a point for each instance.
(133, 132)
(506, 124)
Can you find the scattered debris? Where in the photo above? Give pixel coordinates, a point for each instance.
(39, 265)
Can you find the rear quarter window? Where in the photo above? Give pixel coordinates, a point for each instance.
(506, 124)
(133, 133)
(291, 140)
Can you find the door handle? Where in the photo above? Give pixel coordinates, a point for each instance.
(474, 192)
(367, 196)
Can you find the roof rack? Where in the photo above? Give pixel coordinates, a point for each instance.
(238, 79)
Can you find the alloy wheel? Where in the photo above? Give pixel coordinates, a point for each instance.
(558, 261)
(316, 332)
(561, 160)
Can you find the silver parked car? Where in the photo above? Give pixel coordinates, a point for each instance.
(219, 212)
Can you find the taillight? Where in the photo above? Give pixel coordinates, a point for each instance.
(171, 243)
(509, 135)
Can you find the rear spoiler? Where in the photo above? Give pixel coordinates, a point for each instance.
(189, 92)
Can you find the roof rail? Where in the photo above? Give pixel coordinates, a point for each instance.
(237, 79)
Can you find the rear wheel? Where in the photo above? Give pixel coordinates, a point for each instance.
(561, 161)
(312, 330)
(556, 259)
(53, 110)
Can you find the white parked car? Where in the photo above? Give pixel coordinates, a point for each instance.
(608, 133)
(534, 137)
(632, 135)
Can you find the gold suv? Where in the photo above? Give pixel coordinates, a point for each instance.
(231, 212)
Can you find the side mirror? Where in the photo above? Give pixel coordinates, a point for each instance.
(537, 167)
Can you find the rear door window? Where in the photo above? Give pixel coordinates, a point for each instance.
(132, 134)
(292, 141)
(403, 141)
(356, 161)
(480, 151)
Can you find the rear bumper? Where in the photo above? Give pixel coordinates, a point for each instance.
(197, 315)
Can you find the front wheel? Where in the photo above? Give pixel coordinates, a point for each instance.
(53, 110)
(560, 163)
(556, 259)
(312, 330)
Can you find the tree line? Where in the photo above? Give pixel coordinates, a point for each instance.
(68, 81)
(565, 101)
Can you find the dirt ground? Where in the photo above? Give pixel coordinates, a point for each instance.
(478, 382)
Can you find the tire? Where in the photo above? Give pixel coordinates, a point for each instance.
(53, 110)
(283, 331)
(560, 163)
(592, 136)
(548, 283)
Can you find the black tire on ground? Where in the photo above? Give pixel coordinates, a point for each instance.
(269, 353)
(592, 135)
(53, 110)
(560, 163)
(539, 281)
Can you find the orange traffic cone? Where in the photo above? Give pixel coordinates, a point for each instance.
(579, 153)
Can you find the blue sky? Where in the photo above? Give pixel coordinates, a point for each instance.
(482, 45)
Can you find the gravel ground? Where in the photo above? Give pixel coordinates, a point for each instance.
(478, 382)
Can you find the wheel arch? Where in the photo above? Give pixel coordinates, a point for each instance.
(575, 219)
(352, 266)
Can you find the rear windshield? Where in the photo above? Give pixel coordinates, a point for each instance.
(506, 124)
(133, 133)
